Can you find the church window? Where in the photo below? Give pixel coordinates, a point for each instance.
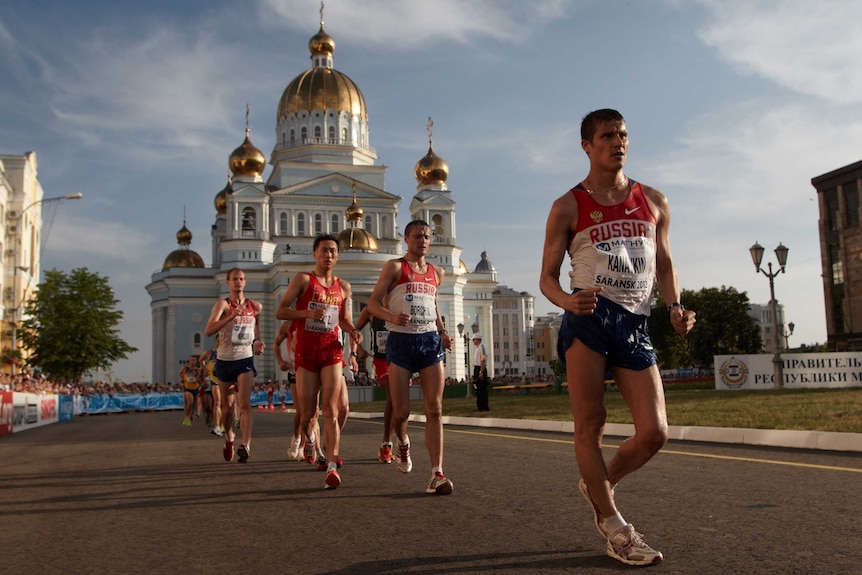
(282, 223)
(300, 224)
(334, 225)
(368, 224)
(292, 136)
(249, 222)
(343, 135)
(304, 134)
(437, 226)
(197, 339)
(332, 135)
(318, 224)
(384, 227)
(317, 132)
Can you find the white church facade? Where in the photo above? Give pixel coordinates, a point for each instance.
(324, 179)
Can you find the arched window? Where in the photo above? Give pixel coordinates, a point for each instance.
(303, 134)
(331, 134)
(437, 227)
(292, 136)
(300, 224)
(249, 222)
(197, 339)
(368, 224)
(343, 135)
(317, 132)
(282, 223)
(334, 225)
(384, 227)
(318, 224)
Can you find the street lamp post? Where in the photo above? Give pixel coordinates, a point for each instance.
(466, 337)
(19, 234)
(787, 335)
(781, 255)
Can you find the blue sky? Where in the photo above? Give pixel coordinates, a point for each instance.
(732, 107)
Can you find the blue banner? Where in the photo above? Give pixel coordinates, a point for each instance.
(118, 402)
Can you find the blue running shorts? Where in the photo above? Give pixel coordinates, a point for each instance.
(414, 351)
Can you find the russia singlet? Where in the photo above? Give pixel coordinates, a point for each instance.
(614, 247)
(414, 294)
(235, 338)
(316, 333)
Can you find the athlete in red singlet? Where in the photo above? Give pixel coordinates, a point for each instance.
(322, 306)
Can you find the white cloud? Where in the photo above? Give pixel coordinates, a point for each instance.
(809, 47)
(410, 25)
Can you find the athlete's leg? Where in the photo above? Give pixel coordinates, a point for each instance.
(308, 386)
(331, 384)
(399, 393)
(644, 394)
(217, 411)
(244, 383)
(227, 393)
(432, 379)
(387, 411)
(343, 404)
(585, 372)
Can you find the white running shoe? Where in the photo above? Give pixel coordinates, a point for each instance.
(293, 450)
(627, 545)
(402, 458)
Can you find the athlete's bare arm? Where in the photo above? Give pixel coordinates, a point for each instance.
(441, 327)
(220, 316)
(562, 222)
(388, 277)
(666, 277)
(297, 287)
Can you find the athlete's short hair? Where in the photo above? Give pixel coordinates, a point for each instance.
(231, 271)
(415, 224)
(324, 238)
(592, 120)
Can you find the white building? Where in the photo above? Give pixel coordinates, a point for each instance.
(324, 179)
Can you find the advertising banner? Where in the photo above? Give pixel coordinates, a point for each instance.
(800, 370)
(7, 412)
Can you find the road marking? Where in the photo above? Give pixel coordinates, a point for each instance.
(663, 451)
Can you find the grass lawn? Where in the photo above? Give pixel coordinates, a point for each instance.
(803, 409)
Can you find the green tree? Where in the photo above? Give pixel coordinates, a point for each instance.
(72, 325)
(723, 328)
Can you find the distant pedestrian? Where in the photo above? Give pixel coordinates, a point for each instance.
(480, 372)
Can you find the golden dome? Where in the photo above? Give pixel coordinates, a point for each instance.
(322, 89)
(321, 43)
(463, 267)
(184, 236)
(357, 239)
(247, 160)
(183, 257)
(220, 200)
(431, 169)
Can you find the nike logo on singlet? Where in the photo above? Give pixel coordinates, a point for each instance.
(631, 211)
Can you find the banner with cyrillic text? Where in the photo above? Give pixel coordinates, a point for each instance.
(800, 370)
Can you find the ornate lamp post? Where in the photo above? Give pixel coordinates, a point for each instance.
(787, 335)
(757, 257)
(18, 237)
(466, 337)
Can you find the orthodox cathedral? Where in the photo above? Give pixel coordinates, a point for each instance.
(324, 180)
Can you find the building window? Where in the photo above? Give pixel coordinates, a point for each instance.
(832, 222)
(368, 224)
(332, 134)
(300, 224)
(851, 205)
(334, 224)
(197, 339)
(344, 135)
(384, 227)
(439, 232)
(318, 224)
(249, 222)
(837, 266)
(317, 132)
(292, 136)
(282, 223)
(304, 134)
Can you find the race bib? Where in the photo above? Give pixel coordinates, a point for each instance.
(380, 341)
(327, 323)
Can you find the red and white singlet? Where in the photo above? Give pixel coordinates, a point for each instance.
(235, 338)
(614, 247)
(415, 294)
